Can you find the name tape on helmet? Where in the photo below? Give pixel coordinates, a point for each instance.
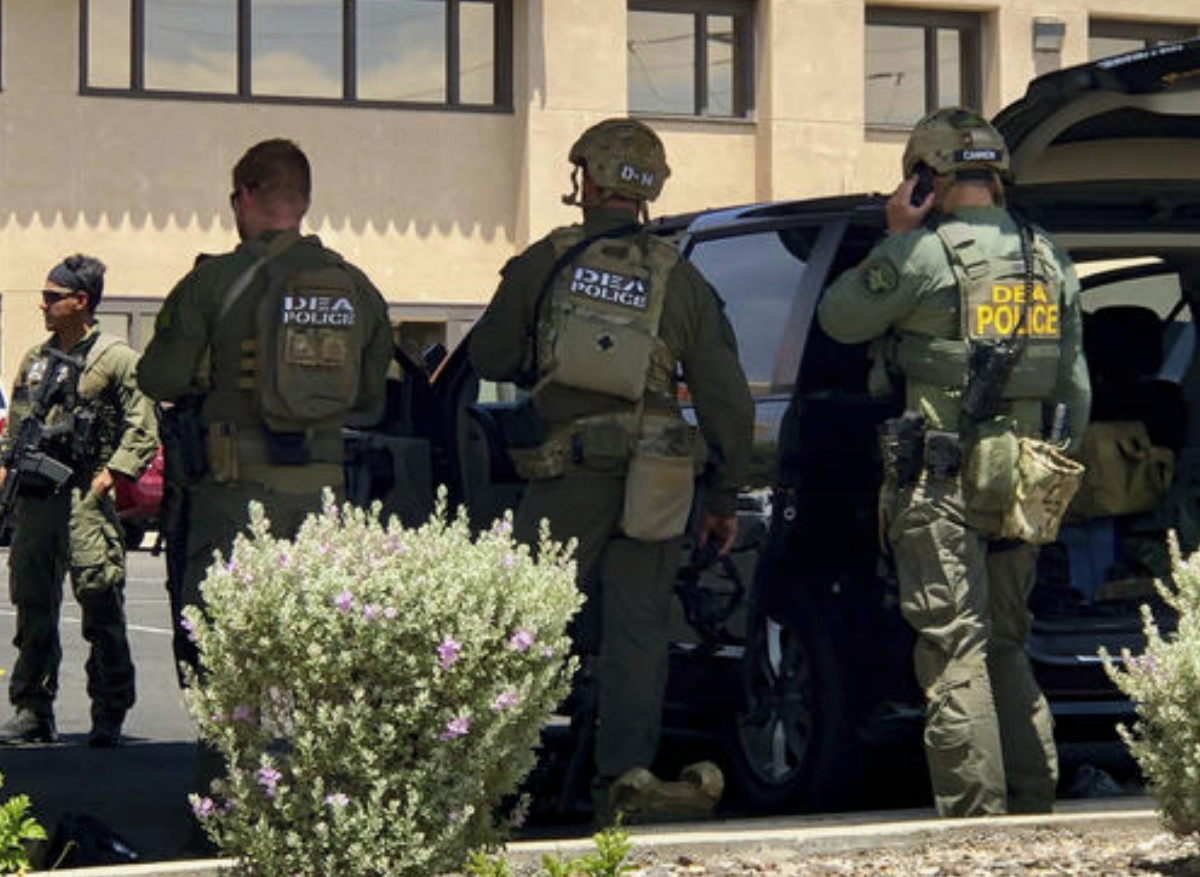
(631, 174)
(978, 155)
(317, 310)
(619, 289)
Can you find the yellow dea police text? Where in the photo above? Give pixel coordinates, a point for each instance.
(1008, 311)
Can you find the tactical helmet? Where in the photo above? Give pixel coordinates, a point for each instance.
(955, 139)
(624, 157)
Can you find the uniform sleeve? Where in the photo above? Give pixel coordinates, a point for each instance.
(18, 408)
(376, 359)
(1073, 387)
(502, 341)
(168, 368)
(866, 301)
(717, 383)
(139, 426)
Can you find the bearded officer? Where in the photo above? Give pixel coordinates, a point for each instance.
(216, 341)
(977, 315)
(595, 320)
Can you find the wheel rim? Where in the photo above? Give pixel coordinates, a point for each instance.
(775, 731)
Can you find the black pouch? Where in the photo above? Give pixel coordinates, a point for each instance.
(182, 432)
(520, 426)
(287, 448)
(943, 453)
(902, 442)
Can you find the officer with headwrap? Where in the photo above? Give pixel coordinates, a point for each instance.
(102, 428)
(597, 320)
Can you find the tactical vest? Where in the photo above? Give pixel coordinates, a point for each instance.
(993, 305)
(600, 331)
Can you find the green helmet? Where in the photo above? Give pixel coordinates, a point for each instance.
(624, 157)
(955, 139)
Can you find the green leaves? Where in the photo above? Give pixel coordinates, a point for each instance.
(16, 827)
(396, 679)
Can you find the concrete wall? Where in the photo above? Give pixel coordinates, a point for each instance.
(431, 203)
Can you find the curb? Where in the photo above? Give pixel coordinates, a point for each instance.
(793, 835)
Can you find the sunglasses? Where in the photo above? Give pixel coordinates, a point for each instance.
(50, 296)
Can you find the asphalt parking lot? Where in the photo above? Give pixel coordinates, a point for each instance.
(140, 790)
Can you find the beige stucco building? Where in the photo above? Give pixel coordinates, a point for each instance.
(438, 129)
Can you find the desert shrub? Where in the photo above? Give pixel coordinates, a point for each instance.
(376, 691)
(1164, 684)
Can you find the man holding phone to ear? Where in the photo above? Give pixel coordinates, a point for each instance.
(976, 316)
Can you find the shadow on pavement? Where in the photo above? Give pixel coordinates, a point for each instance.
(138, 791)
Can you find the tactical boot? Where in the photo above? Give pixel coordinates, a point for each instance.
(106, 731)
(642, 797)
(28, 726)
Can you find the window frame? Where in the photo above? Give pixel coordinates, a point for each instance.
(744, 14)
(502, 50)
(970, 28)
(1150, 33)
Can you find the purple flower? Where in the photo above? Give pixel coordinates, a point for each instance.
(370, 612)
(507, 561)
(241, 713)
(283, 560)
(548, 652)
(505, 700)
(337, 799)
(394, 543)
(344, 601)
(190, 626)
(501, 528)
(389, 613)
(456, 727)
(454, 816)
(448, 652)
(203, 807)
(268, 777)
(521, 640)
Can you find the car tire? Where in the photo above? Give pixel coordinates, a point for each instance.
(796, 742)
(134, 533)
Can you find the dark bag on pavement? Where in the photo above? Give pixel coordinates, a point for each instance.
(81, 841)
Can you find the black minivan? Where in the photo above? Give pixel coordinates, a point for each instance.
(793, 654)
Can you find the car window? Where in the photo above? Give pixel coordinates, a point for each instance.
(758, 276)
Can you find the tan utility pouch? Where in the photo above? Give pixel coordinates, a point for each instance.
(989, 478)
(546, 461)
(1126, 474)
(1048, 482)
(220, 446)
(658, 494)
(602, 356)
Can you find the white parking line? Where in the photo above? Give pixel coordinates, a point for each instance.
(135, 628)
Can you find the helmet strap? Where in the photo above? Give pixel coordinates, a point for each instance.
(573, 199)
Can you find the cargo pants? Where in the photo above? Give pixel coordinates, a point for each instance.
(627, 584)
(989, 738)
(76, 532)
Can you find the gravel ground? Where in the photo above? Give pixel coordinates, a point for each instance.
(1034, 851)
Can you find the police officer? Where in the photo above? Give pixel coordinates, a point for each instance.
(964, 303)
(227, 333)
(595, 320)
(102, 428)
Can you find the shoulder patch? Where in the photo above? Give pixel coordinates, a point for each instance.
(879, 276)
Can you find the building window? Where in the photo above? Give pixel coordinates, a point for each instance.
(408, 53)
(918, 61)
(1108, 37)
(691, 57)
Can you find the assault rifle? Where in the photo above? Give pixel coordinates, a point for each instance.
(26, 457)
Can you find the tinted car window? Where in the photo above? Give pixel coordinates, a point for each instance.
(758, 276)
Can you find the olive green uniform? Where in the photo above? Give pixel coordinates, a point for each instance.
(198, 350)
(628, 581)
(73, 530)
(988, 731)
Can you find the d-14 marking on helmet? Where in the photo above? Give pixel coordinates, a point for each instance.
(955, 139)
(624, 157)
